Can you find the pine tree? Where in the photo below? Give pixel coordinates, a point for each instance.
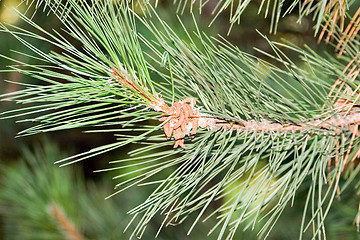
(221, 134)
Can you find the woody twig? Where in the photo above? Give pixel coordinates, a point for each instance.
(183, 118)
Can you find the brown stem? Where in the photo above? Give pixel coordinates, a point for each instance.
(65, 225)
(182, 117)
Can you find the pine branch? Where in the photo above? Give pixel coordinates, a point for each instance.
(182, 117)
(270, 128)
(325, 12)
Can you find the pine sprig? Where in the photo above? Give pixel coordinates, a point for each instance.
(327, 14)
(254, 172)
